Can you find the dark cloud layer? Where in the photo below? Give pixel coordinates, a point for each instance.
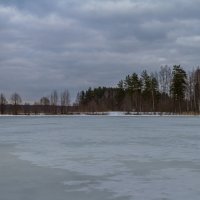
(74, 44)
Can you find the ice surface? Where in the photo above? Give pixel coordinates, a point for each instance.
(128, 157)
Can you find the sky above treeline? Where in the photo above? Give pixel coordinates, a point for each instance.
(74, 44)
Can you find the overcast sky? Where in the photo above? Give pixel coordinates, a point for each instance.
(74, 44)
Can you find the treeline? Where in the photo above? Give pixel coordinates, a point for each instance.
(169, 90)
(52, 104)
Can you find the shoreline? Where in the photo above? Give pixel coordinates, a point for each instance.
(108, 114)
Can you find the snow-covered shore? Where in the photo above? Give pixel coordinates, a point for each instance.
(107, 113)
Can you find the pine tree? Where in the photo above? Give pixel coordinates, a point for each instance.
(178, 85)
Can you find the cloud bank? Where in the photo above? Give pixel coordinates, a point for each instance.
(74, 44)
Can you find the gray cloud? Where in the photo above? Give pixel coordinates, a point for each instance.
(48, 44)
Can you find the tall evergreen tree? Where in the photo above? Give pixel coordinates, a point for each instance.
(3, 102)
(178, 85)
(136, 87)
(150, 89)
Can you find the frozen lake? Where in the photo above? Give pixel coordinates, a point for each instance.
(99, 158)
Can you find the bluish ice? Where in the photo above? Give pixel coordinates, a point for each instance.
(104, 157)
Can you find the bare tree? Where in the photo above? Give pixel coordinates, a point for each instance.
(197, 88)
(54, 101)
(45, 103)
(165, 76)
(34, 108)
(15, 101)
(2, 103)
(27, 108)
(54, 98)
(65, 101)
